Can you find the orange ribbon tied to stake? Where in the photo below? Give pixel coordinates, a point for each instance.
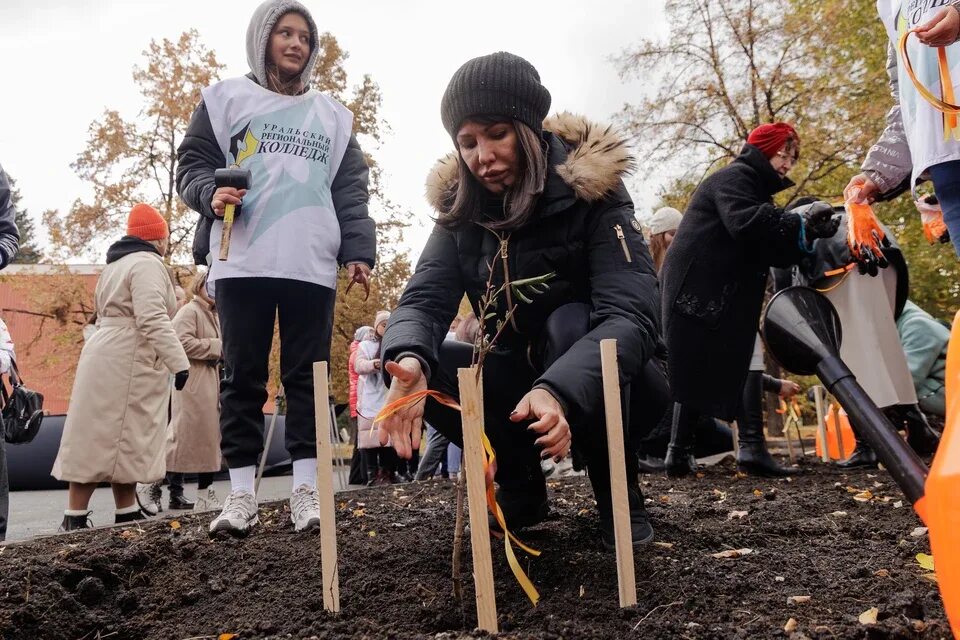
(947, 103)
(489, 464)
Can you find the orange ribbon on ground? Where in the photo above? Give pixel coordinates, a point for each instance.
(490, 459)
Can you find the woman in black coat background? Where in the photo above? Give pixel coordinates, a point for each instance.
(524, 198)
(714, 278)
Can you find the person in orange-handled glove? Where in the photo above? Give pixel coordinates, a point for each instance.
(919, 142)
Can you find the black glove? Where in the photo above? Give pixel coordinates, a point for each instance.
(180, 381)
(819, 222)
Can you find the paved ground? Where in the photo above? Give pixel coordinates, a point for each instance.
(39, 513)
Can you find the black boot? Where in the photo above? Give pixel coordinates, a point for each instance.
(133, 516)
(680, 460)
(523, 505)
(74, 523)
(753, 457)
(649, 464)
(641, 531)
(863, 457)
(921, 437)
(178, 501)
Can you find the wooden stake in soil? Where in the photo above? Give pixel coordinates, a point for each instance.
(471, 404)
(821, 423)
(329, 570)
(835, 408)
(626, 578)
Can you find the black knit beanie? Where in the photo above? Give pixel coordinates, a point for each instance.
(499, 84)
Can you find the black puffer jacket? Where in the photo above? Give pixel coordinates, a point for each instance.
(584, 231)
(199, 155)
(714, 278)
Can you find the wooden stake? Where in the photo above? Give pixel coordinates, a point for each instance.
(329, 569)
(787, 422)
(471, 403)
(836, 429)
(623, 538)
(821, 423)
(735, 428)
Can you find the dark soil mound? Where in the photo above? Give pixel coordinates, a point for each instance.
(395, 544)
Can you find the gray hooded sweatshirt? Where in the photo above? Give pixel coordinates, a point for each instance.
(258, 36)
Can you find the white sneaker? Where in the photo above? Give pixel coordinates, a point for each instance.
(238, 516)
(305, 509)
(148, 497)
(207, 502)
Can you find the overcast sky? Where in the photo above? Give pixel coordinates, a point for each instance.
(65, 61)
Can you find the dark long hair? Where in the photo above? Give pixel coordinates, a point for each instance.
(520, 199)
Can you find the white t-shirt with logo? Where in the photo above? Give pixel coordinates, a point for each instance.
(924, 125)
(293, 146)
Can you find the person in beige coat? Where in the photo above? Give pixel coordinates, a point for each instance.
(116, 422)
(193, 435)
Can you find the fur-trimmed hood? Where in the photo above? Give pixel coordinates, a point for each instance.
(597, 157)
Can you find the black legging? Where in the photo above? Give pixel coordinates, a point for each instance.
(204, 480)
(508, 376)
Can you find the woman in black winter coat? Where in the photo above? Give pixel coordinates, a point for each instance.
(525, 198)
(714, 278)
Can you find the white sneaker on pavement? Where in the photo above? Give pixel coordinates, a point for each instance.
(238, 516)
(148, 497)
(207, 502)
(305, 509)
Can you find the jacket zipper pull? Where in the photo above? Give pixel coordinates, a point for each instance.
(623, 242)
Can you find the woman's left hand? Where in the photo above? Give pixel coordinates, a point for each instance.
(942, 30)
(555, 436)
(788, 389)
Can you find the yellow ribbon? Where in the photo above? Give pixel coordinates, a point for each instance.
(490, 459)
(947, 105)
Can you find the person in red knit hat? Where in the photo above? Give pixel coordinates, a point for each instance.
(116, 423)
(713, 281)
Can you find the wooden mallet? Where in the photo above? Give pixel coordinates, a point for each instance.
(238, 179)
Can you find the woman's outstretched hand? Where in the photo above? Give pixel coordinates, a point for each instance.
(555, 436)
(404, 427)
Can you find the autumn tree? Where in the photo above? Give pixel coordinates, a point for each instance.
(727, 66)
(134, 159)
(29, 252)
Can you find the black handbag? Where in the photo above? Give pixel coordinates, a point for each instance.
(22, 409)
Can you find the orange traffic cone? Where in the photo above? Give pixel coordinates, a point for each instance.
(942, 488)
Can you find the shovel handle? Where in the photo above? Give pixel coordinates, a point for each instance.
(227, 230)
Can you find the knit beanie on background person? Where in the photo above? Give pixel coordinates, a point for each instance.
(362, 334)
(499, 84)
(258, 37)
(382, 316)
(770, 138)
(665, 219)
(146, 223)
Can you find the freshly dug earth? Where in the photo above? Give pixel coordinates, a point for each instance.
(821, 536)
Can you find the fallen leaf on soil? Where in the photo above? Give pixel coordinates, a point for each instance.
(127, 534)
(174, 524)
(919, 625)
(732, 553)
(882, 573)
(701, 475)
(898, 504)
(372, 534)
(791, 626)
(227, 636)
(358, 513)
(869, 616)
(665, 499)
(838, 514)
(925, 561)
(863, 496)
(665, 545)
(918, 532)
(736, 514)
(798, 599)
(779, 579)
